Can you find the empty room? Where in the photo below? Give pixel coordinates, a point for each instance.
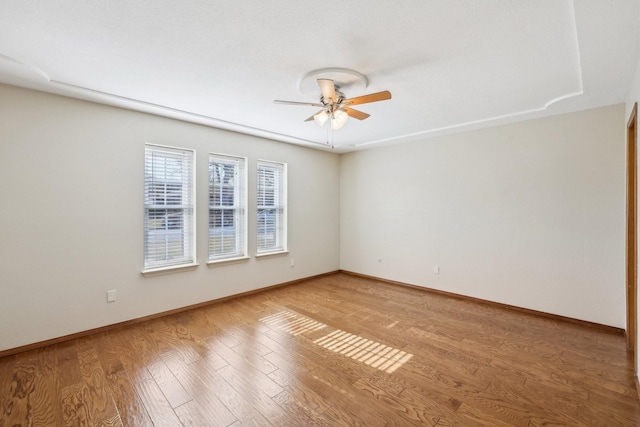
(302, 213)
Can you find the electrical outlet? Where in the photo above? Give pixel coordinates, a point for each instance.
(436, 269)
(293, 263)
(111, 295)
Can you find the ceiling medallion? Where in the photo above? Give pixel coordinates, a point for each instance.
(349, 81)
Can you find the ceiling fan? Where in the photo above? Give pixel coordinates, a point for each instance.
(335, 106)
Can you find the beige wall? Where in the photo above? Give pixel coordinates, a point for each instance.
(530, 214)
(71, 216)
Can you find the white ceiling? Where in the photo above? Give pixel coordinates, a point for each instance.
(450, 65)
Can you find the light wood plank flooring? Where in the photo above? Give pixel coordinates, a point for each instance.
(337, 350)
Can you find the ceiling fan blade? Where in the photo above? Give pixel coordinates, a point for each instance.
(311, 118)
(328, 89)
(355, 113)
(372, 97)
(310, 104)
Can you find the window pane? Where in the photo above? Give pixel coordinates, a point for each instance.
(168, 207)
(227, 199)
(271, 207)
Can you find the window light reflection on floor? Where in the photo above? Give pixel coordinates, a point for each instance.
(363, 350)
(369, 352)
(292, 323)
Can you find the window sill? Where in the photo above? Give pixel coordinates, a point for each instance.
(268, 254)
(169, 270)
(217, 262)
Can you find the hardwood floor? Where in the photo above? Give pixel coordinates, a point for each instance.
(338, 350)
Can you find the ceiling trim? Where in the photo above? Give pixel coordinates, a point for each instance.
(462, 126)
(66, 89)
(88, 94)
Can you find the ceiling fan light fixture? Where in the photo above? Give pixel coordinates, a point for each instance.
(338, 119)
(336, 106)
(321, 118)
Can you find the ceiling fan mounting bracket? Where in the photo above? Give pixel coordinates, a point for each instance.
(330, 103)
(347, 80)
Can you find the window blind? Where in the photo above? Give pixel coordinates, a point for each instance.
(271, 207)
(169, 207)
(227, 205)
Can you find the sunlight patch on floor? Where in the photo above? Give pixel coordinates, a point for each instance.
(293, 323)
(363, 350)
(369, 352)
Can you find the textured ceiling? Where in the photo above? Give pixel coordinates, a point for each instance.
(450, 65)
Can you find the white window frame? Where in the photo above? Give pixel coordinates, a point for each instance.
(279, 243)
(186, 159)
(238, 208)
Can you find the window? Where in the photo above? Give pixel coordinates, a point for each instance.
(168, 207)
(227, 202)
(272, 207)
